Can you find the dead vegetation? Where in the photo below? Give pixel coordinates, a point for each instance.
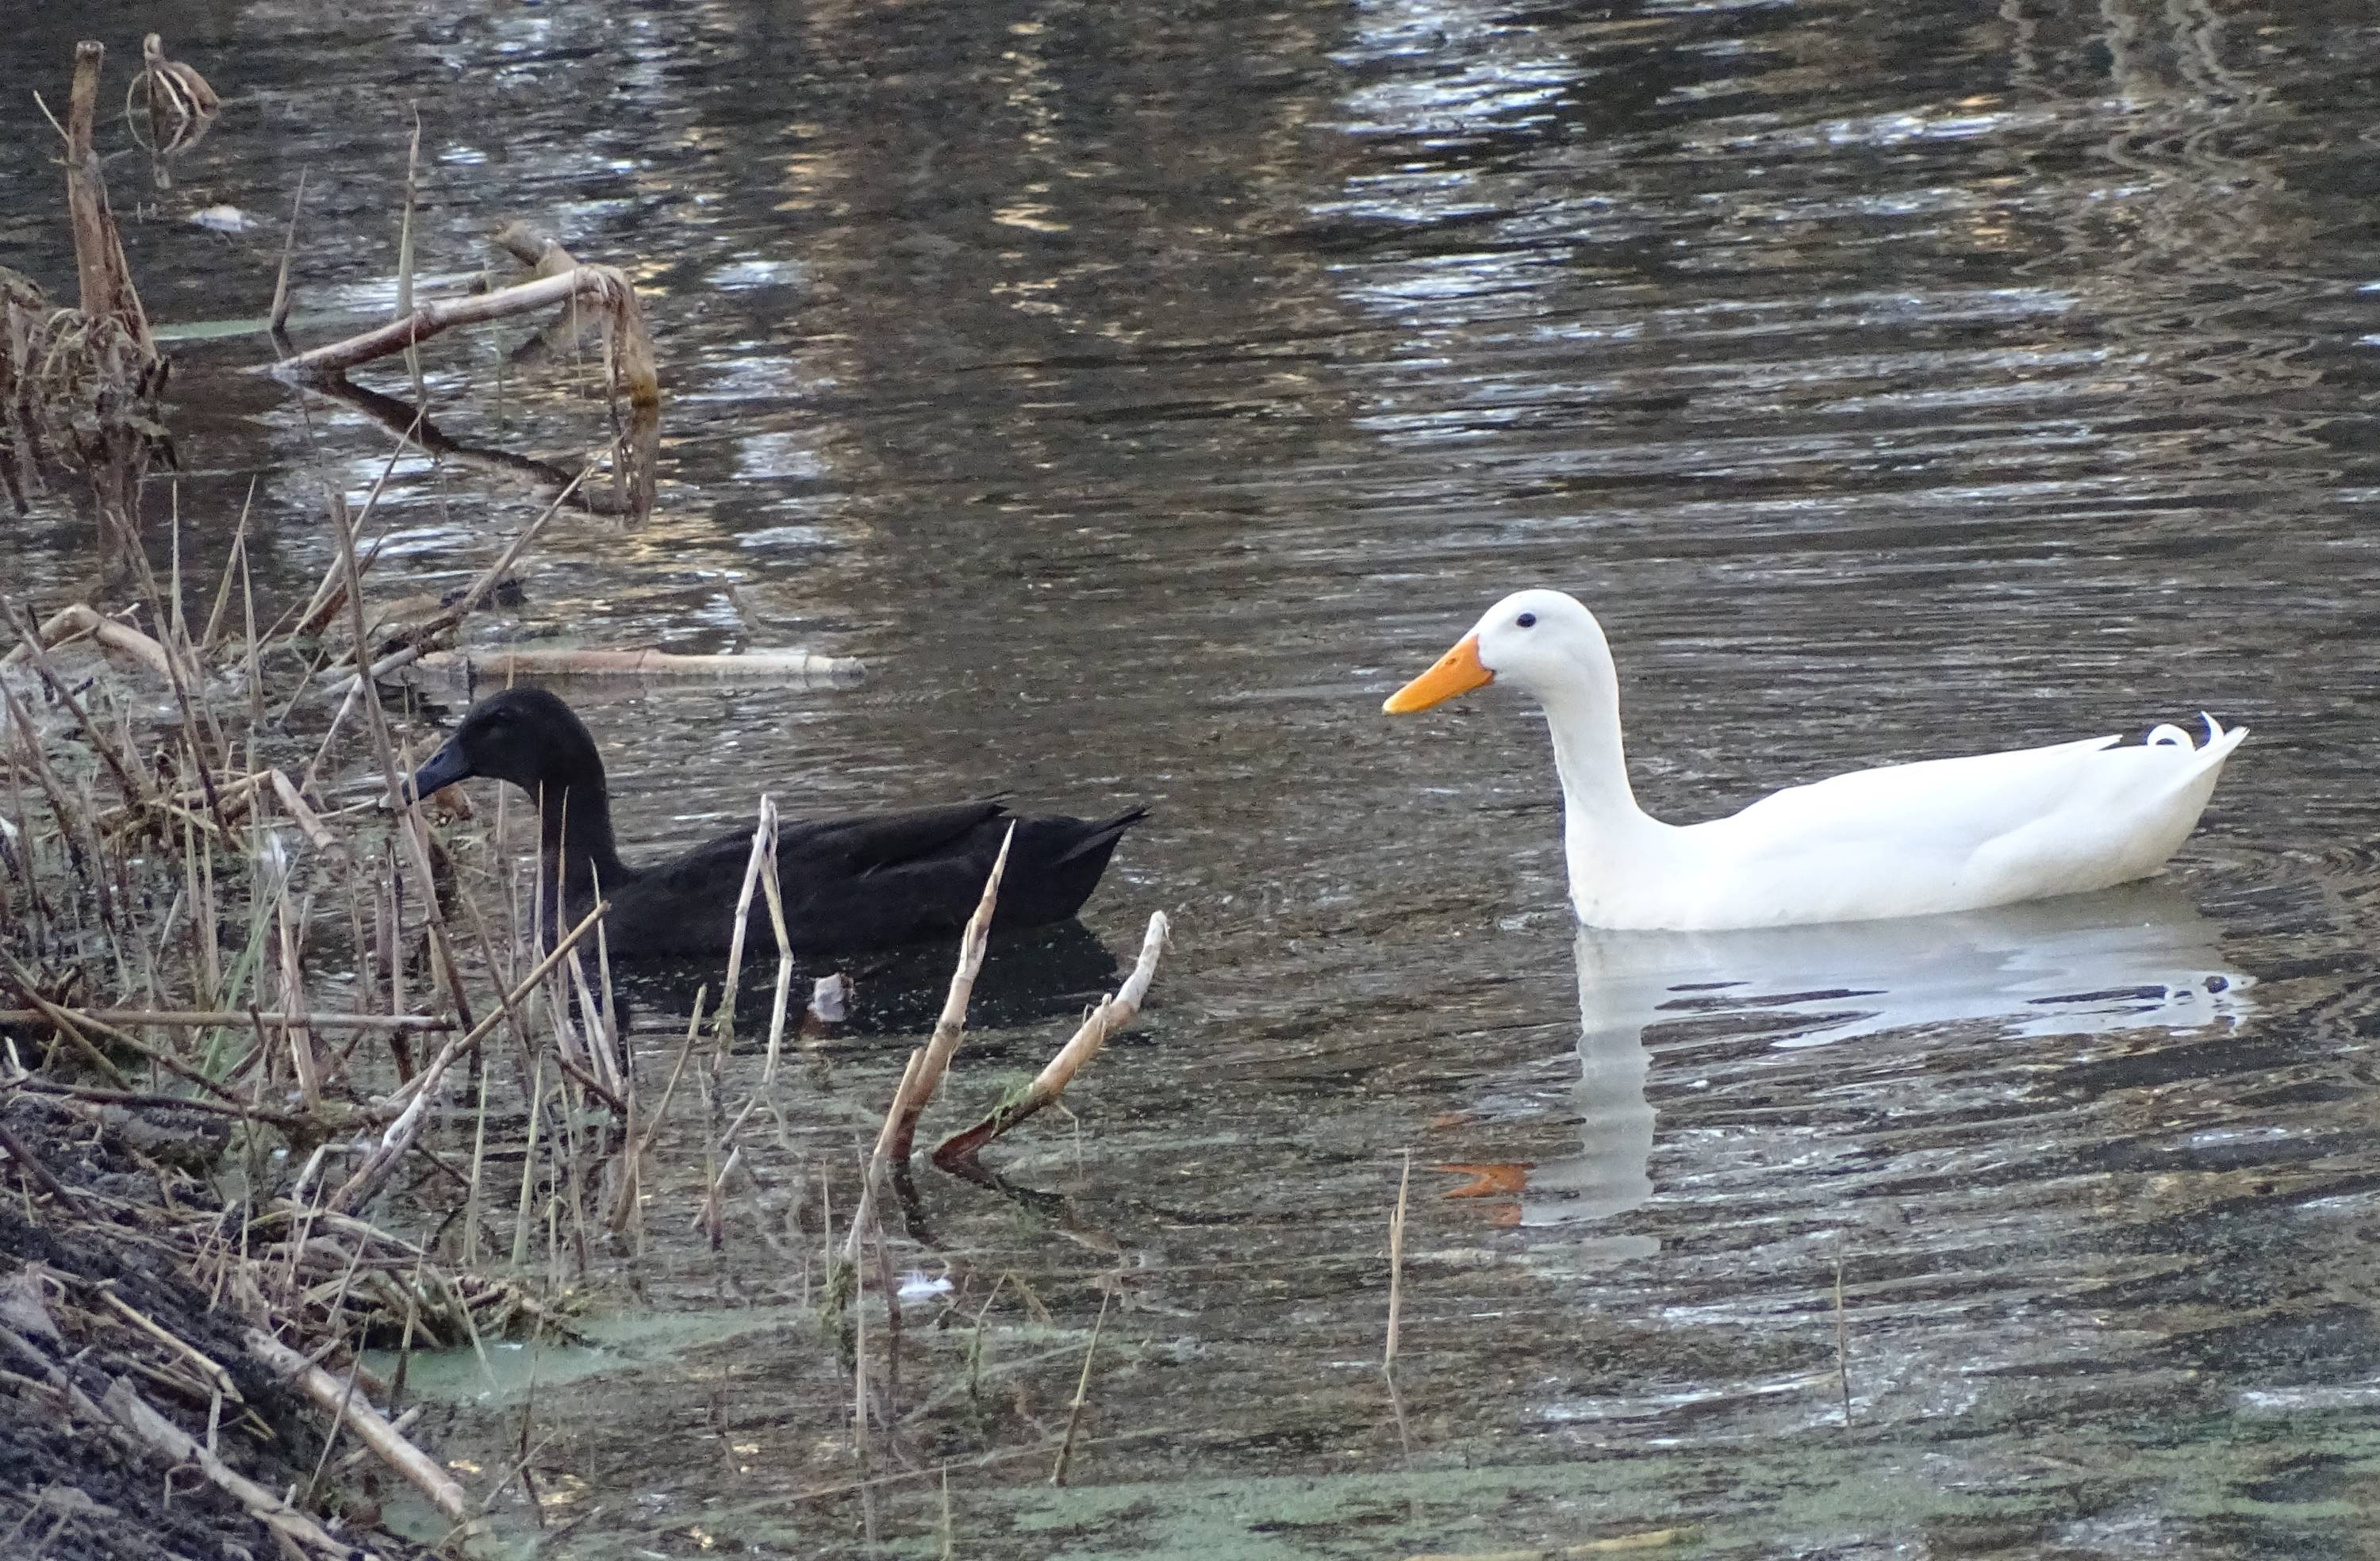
(283, 1073)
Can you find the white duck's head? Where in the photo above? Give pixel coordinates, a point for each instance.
(1542, 642)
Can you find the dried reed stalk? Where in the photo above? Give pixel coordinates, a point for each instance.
(277, 320)
(1105, 1020)
(881, 1157)
(101, 270)
(1842, 1345)
(199, 1019)
(1396, 1267)
(418, 1092)
(763, 855)
(1082, 1391)
(910, 1103)
(418, 638)
(923, 1073)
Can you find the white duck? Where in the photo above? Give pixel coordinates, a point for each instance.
(1907, 840)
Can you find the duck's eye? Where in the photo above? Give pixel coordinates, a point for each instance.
(1526, 620)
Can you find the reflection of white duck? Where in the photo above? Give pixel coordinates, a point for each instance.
(1608, 1174)
(2139, 958)
(1906, 840)
(2135, 958)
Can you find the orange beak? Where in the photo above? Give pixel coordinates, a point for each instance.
(1458, 672)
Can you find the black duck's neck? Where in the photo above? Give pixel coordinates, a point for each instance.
(575, 834)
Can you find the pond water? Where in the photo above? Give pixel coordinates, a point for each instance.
(1142, 392)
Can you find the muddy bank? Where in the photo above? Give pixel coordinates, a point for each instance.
(115, 1351)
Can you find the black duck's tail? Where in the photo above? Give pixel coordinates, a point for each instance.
(1055, 865)
(1100, 835)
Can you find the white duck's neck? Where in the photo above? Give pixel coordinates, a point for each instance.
(1601, 819)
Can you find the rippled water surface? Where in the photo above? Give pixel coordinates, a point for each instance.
(1142, 392)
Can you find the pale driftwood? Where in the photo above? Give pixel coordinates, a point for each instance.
(804, 669)
(801, 666)
(416, 1093)
(67, 622)
(927, 1064)
(602, 287)
(370, 1426)
(1050, 1083)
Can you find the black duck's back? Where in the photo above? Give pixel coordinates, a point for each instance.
(871, 882)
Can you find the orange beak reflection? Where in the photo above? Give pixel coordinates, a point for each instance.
(1458, 672)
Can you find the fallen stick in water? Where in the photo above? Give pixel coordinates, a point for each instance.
(1105, 1020)
(370, 1425)
(67, 622)
(802, 667)
(603, 287)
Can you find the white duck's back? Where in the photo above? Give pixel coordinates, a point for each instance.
(1907, 840)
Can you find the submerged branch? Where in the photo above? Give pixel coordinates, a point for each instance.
(79, 619)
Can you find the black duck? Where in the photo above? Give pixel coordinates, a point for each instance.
(856, 885)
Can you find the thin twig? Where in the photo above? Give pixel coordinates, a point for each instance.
(1082, 1390)
(1397, 1264)
(1843, 1346)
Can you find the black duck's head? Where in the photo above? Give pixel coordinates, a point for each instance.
(523, 735)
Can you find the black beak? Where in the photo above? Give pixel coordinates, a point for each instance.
(445, 767)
